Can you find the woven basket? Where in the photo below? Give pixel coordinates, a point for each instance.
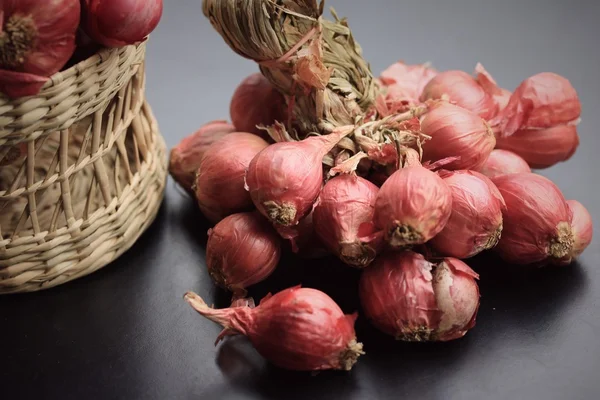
(82, 171)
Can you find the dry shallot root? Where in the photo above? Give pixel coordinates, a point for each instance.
(373, 171)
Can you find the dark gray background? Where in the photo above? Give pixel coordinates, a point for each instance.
(125, 332)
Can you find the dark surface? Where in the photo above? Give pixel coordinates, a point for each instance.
(125, 332)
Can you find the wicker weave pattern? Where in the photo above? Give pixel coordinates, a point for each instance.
(82, 172)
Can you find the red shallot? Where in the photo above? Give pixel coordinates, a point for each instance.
(481, 95)
(542, 101)
(343, 219)
(581, 226)
(537, 220)
(219, 183)
(298, 329)
(475, 224)
(412, 206)
(37, 38)
(185, 158)
(542, 148)
(242, 249)
(285, 179)
(456, 131)
(502, 162)
(256, 102)
(414, 300)
(117, 23)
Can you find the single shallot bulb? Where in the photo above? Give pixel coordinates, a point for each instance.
(219, 184)
(581, 227)
(480, 95)
(503, 162)
(256, 102)
(414, 300)
(297, 329)
(542, 101)
(475, 224)
(406, 82)
(412, 206)
(285, 179)
(537, 220)
(37, 38)
(343, 219)
(185, 158)
(542, 148)
(242, 249)
(456, 131)
(118, 23)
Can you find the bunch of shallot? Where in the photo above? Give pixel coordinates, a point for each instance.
(436, 170)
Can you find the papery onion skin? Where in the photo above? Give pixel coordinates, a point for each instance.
(219, 184)
(542, 101)
(242, 250)
(38, 40)
(542, 148)
(284, 180)
(536, 221)
(503, 162)
(343, 219)
(406, 82)
(581, 226)
(185, 158)
(475, 224)
(256, 102)
(298, 329)
(462, 90)
(407, 297)
(456, 131)
(118, 23)
(412, 206)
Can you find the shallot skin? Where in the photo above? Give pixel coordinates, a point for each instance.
(476, 221)
(503, 162)
(242, 250)
(298, 329)
(256, 102)
(542, 101)
(219, 184)
(343, 219)
(185, 158)
(536, 220)
(456, 131)
(406, 82)
(542, 148)
(412, 206)
(407, 297)
(582, 227)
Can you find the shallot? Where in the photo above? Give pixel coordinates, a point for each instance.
(343, 219)
(285, 179)
(476, 221)
(406, 82)
(412, 299)
(117, 23)
(542, 148)
(542, 101)
(581, 227)
(536, 220)
(256, 102)
(298, 329)
(219, 183)
(37, 38)
(242, 249)
(456, 131)
(412, 206)
(480, 95)
(502, 162)
(185, 158)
